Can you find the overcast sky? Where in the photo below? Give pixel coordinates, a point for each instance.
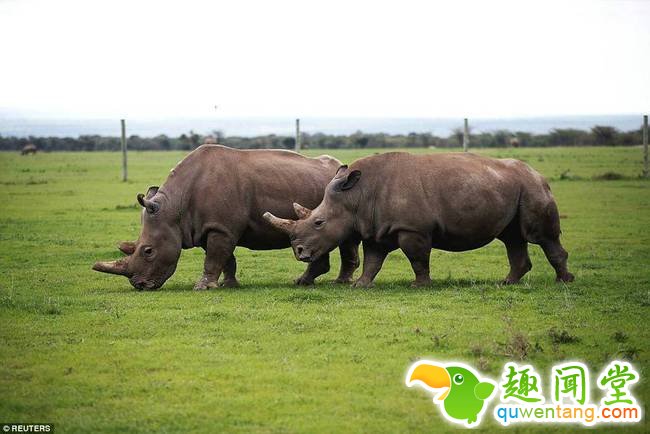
(324, 58)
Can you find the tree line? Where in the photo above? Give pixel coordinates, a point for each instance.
(599, 135)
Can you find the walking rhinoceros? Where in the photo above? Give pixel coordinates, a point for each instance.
(214, 199)
(453, 202)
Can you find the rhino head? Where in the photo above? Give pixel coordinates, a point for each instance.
(321, 230)
(152, 259)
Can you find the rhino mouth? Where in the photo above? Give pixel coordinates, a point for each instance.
(304, 255)
(146, 285)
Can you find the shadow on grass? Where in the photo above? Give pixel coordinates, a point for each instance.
(399, 285)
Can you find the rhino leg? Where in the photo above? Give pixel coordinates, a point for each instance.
(374, 255)
(519, 261)
(417, 248)
(541, 225)
(557, 256)
(218, 251)
(229, 273)
(517, 248)
(314, 269)
(349, 252)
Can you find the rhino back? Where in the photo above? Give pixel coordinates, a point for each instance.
(463, 200)
(228, 190)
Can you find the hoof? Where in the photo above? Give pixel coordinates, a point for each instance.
(421, 283)
(204, 284)
(568, 277)
(509, 281)
(301, 281)
(361, 284)
(230, 283)
(344, 281)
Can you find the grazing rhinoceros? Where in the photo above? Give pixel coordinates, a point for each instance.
(214, 198)
(29, 148)
(454, 202)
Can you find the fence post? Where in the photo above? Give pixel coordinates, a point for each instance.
(297, 148)
(124, 171)
(466, 136)
(645, 146)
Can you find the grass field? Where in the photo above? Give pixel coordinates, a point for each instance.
(87, 352)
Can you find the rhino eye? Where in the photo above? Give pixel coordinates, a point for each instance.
(148, 251)
(319, 223)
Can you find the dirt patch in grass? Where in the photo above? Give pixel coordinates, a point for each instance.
(562, 337)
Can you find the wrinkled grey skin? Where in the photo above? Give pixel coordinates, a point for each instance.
(214, 199)
(453, 202)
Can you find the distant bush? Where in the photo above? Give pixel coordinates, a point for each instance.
(599, 135)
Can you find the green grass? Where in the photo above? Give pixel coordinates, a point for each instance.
(87, 352)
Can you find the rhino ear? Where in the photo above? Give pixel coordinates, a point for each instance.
(149, 205)
(152, 191)
(348, 181)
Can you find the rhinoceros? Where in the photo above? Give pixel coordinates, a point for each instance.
(28, 149)
(451, 201)
(214, 199)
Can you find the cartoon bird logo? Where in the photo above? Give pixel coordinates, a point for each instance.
(465, 397)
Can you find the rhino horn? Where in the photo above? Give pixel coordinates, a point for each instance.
(301, 211)
(283, 224)
(127, 247)
(112, 267)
